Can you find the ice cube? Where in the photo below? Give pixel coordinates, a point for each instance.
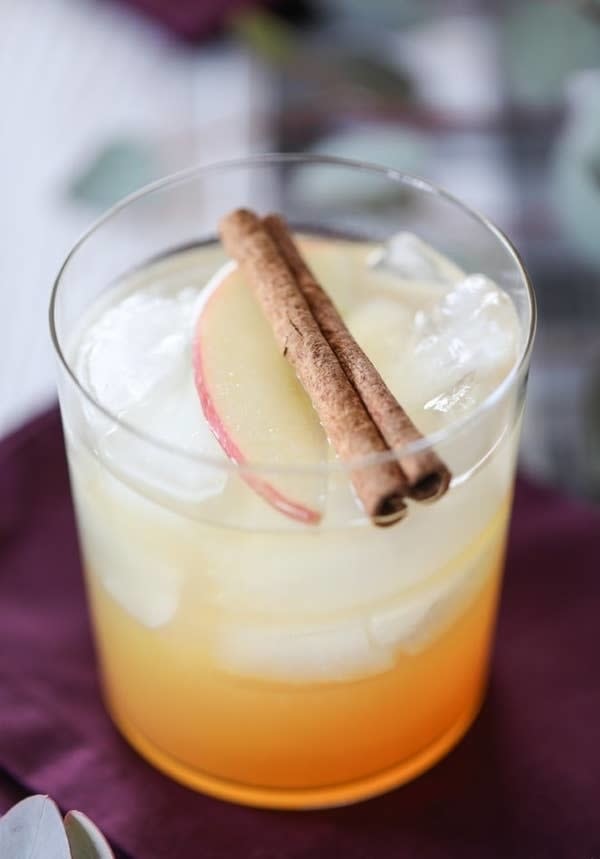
(143, 583)
(176, 418)
(135, 346)
(463, 345)
(413, 624)
(342, 649)
(396, 625)
(292, 583)
(410, 627)
(135, 360)
(460, 396)
(336, 652)
(148, 593)
(408, 257)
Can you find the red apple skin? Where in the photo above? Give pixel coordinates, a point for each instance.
(287, 506)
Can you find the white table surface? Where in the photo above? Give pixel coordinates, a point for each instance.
(74, 75)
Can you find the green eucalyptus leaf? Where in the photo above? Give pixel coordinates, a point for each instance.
(402, 148)
(277, 43)
(374, 75)
(266, 35)
(33, 829)
(116, 169)
(85, 839)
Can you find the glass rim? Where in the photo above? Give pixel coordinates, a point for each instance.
(410, 180)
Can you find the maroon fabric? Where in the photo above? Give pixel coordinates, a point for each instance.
(192, 19)
(525, 782)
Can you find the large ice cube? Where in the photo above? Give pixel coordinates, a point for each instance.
(338, 651)
(126, 560)
(176, 418)
(460, 341)
(135, 360)
(136, 346)
(408, 257)
(441, 340)
(412, 625)
(463, 346)
(149, 593)
(343, 649)
(304, 575)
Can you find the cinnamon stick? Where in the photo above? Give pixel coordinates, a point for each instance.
(427, 476)
(381, 486)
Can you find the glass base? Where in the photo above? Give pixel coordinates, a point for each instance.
(310, 798)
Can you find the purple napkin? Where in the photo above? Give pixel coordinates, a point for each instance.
(524, 783)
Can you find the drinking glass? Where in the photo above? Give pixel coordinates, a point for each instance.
(258, 658)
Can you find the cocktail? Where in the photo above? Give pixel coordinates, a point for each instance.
(274, 625)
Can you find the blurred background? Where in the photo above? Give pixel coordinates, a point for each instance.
(499, 102)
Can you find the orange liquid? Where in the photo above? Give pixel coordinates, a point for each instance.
(292, 745)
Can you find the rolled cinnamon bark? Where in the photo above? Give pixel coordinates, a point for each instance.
(427, 476)
(381, 485)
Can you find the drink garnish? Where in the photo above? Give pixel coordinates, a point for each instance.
(357, 411)
(426, 475)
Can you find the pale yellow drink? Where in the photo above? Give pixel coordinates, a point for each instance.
(249, 654)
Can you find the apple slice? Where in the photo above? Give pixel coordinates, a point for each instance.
(250, 395)
(252, 400)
